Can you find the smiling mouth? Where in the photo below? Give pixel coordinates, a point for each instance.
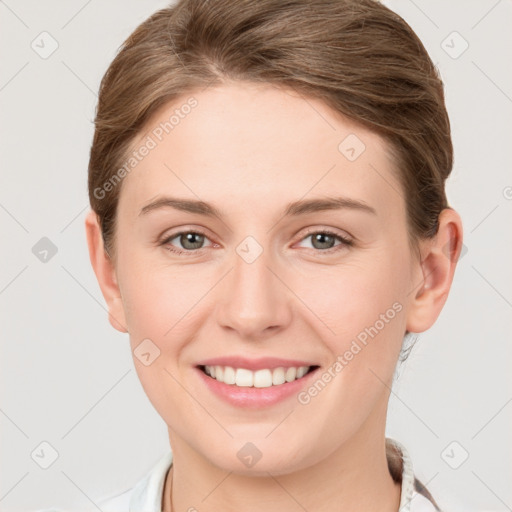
(265, 378)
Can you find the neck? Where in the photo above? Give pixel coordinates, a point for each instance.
(356, 476)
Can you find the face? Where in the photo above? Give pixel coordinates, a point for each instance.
(265, 276)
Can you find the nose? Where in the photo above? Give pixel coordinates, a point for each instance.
(255, 300)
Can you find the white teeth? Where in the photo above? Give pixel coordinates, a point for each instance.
(278, 376)
(262, 379)
(291, 374)
(301, 372)
(259, 379)
(244, 378)
(229, 375)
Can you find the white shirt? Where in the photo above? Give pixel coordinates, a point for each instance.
(146, 495)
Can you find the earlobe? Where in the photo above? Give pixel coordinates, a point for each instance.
(105, 273)
(115, 312)
(439, 257)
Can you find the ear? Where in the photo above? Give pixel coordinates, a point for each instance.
(105, 272)
(434, 274)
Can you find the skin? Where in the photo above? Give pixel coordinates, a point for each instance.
(250, 150)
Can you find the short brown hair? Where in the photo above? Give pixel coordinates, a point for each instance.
(357, 56)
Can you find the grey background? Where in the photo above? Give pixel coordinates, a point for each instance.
(67, 377)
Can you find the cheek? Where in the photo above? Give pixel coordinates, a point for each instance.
(359, 312)
(349, 297)
(158, 299)
(360, 316)
(160, 304)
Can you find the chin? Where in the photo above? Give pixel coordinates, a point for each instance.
(258, 458)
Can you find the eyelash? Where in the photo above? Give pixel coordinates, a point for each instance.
(345, 242)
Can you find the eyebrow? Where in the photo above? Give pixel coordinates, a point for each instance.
(296, 208)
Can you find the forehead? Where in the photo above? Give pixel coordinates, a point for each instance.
(257, 142)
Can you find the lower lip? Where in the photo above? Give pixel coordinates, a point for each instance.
(252, 397)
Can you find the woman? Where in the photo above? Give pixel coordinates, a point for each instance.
(269, 221)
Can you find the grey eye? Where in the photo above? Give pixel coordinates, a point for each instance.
(191, 240)
(322, 240)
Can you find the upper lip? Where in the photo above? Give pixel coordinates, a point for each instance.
(254, 364)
